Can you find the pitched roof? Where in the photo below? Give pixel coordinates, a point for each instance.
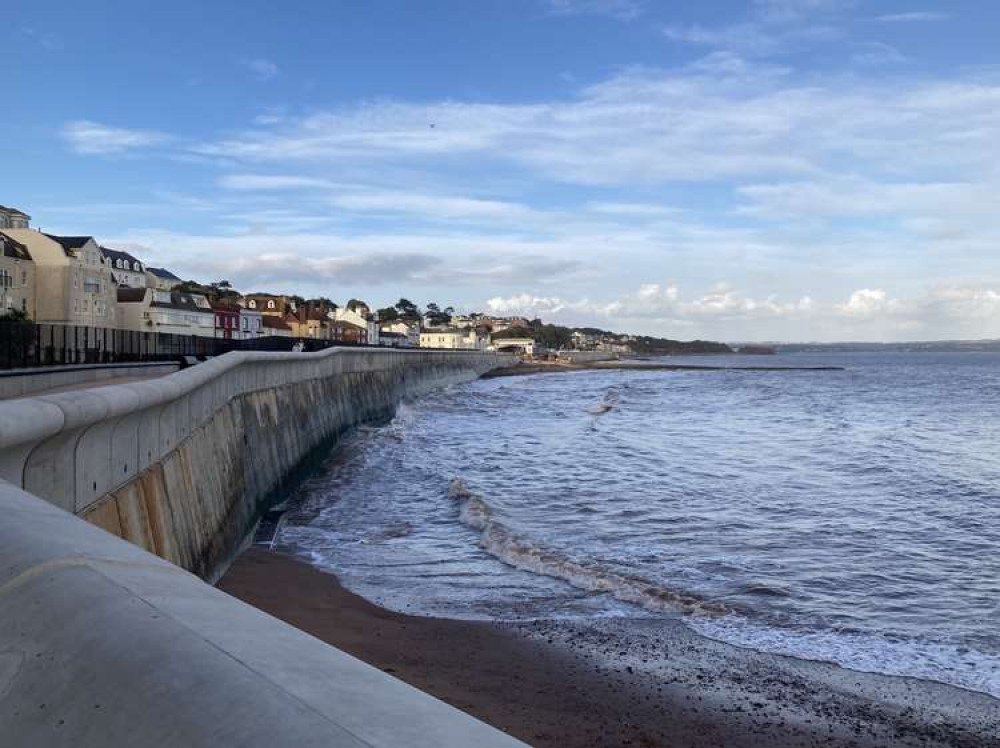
(275, 322)
(13, 211)
(185, 301)
(115, 255)
(163, 273)
(70, 243)
(10, 247)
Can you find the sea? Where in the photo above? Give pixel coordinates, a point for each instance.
(844, 516)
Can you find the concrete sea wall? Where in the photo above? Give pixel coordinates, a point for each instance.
(25, 382)
(181, 465)
(104, 644)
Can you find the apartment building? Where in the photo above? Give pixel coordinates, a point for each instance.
(72, 284)
(17, 277)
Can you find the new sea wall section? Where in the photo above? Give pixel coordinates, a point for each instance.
(181, 465)
(108, 641)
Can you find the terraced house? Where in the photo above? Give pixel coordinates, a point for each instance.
(72, 283)
(127, 271)
(17, 278)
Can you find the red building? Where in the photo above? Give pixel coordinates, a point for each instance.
(227, 320)
(345, 332)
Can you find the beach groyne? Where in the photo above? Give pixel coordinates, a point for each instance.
(108, 495)
(183, 464)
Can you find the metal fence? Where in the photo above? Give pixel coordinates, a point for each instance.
(27, 344)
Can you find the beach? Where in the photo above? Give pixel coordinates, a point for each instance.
(618, 682)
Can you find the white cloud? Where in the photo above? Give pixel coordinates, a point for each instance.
(622, 10)
(427, 206)
(262, 69)
(94, 138)
(912, 17)
(254, 182)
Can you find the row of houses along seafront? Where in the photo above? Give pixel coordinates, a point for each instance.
(74, 280)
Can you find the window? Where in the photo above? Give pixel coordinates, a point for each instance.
(24, 277)
(270, 305)
(252, 304)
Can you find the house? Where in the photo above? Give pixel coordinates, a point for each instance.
(409, 334)
(251, 323)
(347, 332)
(227, 319)
(272, 325)
(308, 322)
(469, 339)
(359, 316)
(17, 277)
(126, 270)
(12, 218)
(72, 285)
(514, 341)
(269, 304)
(152, 310)
(161, 279)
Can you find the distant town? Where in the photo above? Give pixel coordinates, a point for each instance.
(74, 280)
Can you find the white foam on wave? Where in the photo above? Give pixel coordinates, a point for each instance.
(871, 653)
(499, 541)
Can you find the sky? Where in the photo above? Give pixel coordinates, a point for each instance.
(769, 170)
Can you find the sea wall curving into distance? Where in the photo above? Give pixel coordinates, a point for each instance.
(104, 644)
(182, 465)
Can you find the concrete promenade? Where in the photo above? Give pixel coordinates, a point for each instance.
(104, 644)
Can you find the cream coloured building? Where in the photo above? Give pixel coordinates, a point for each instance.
(462, 339)
(72, 284)
(17, 277)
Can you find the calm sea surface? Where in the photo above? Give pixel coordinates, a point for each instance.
(845, 516)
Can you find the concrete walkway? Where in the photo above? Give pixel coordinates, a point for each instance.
(86, 386)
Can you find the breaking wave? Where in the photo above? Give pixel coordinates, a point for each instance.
(501, 542)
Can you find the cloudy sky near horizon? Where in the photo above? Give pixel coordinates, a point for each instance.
(753, 170)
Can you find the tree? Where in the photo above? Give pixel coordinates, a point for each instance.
(353, 304)
(14, 315)
(408, 310)
(438, 316)
(388, 314)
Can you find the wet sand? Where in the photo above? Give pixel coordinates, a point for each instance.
(614, 682)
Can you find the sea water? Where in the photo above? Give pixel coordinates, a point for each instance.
(849, 516)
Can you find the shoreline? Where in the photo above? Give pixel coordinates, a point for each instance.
(618, 682)
(524, 368)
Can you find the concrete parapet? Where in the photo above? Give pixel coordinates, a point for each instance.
(26, 382)
(181, 464)
(103, 645)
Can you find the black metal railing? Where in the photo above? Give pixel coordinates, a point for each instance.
(28, 344)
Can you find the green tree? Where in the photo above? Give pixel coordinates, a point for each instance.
(388, 314)
(408, 310)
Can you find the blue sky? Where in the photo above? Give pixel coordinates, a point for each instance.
(769, 169)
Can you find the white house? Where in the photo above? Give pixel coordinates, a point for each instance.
(152, 310)
(409, 334)
(467, 339)
(12, 218)
(358, 318)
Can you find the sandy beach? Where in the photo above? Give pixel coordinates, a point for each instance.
(587, 685)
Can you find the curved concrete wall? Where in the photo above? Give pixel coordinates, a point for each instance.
(103, 645)
(25, 382)
(182, 464)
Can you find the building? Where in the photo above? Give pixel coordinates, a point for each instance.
(12, 218)
(251, 323)
(348, 332)
(72, 284)
(513, 343)
(469, 339)
(227, 319)
(308, 322)
(126, 270)
(402, 335)
(272, 325)
(360, 316)
(152, 310)
(17, 278)
(161, 279)
(269, 304)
